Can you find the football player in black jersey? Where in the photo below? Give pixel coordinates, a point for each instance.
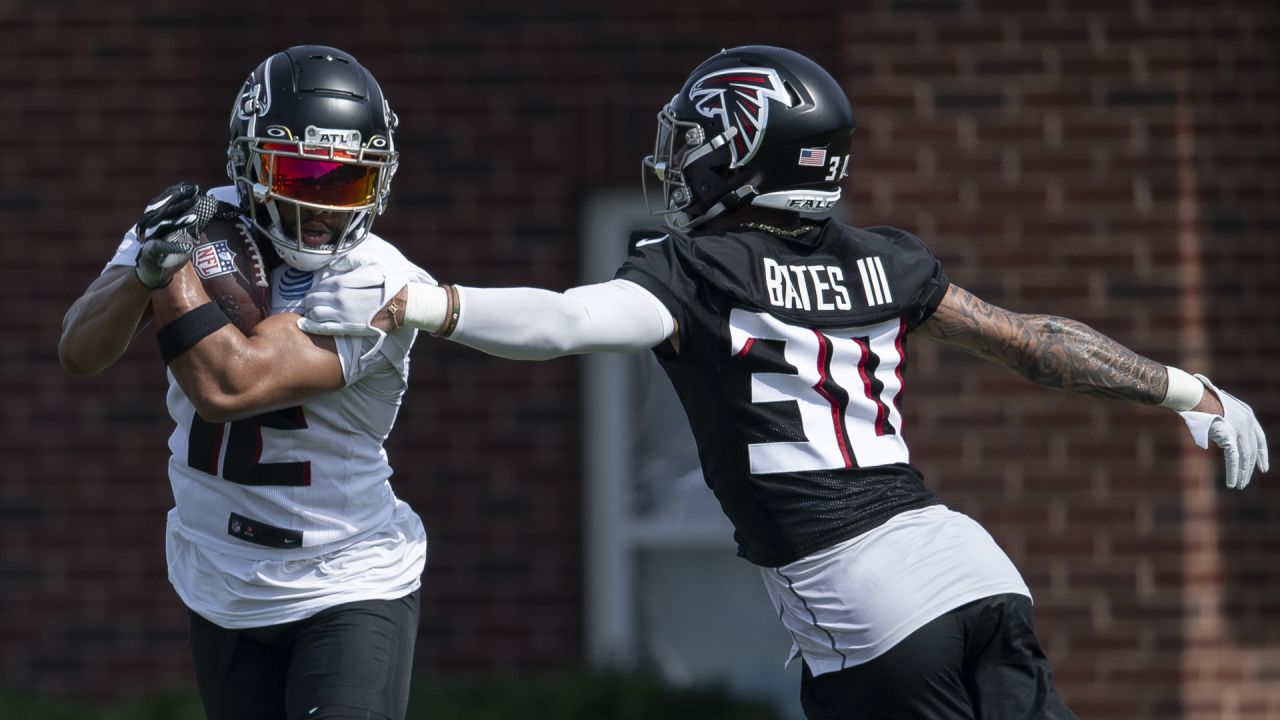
(785, 339)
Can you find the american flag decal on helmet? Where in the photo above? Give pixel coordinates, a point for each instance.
(813, 157)
(739, 98)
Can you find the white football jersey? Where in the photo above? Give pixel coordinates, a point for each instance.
(281, 515)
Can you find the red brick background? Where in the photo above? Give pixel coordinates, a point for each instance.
(1113, 161)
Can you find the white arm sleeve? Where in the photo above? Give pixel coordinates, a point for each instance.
(533, 324)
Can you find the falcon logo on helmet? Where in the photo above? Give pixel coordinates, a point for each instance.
(739, 98)
(255, 96)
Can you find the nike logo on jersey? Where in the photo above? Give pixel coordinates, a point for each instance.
(805, 287)
(650, 241)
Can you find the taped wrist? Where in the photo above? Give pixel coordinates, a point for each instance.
(433, 308)
(188, 329)
(1184, 390)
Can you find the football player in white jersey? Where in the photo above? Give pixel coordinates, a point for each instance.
(785, 339)
(299, 565)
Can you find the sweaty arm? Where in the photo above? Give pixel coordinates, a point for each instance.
(99, 325)
(97, 329)
(229, 375)
(534, 324)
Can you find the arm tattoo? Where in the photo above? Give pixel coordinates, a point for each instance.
(1052, 351)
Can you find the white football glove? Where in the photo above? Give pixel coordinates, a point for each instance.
(159, 260)
(1236, 431)
(344, 303)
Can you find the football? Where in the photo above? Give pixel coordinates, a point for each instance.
(233, 271)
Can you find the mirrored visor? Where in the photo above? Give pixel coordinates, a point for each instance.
(320, 180)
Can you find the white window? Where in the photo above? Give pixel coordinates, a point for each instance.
(664, 585)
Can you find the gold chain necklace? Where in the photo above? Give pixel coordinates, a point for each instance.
(777, 230)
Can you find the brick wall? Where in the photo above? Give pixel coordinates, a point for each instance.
(1108, 161)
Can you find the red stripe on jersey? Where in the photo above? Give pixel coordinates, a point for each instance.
(257, 448)
(746, 348)
(902, 360)
(836, 420)
(216, 449)
(865, 347)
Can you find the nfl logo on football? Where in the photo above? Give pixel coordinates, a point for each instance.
(213, 259)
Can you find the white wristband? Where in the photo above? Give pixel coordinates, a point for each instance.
(426, 306)
(1184, 391)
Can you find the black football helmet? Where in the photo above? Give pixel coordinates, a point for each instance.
(311, 130)
(756, 125)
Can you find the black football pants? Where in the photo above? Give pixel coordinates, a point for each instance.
(980, 661)
(348, 662)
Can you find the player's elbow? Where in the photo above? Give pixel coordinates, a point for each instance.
(74, 364)
(220, 407)
(223, 397)
(212, 405)
(75, 360)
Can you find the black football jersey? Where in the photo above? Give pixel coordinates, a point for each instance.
(790, 367)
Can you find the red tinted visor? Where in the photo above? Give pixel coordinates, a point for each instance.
(317, 180)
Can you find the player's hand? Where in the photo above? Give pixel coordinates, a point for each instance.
(169, 228)
(165, 245)
(345, 303)
(171, 210)
(1236, 431)
(160, 260)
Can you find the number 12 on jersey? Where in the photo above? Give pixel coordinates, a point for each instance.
(846, 385)
(242, 459)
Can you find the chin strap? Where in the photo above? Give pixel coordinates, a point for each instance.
(728, 202)
(708, 147)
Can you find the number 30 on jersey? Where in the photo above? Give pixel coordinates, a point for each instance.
(846, 385)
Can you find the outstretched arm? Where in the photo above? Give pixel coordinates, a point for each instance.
(1053, 351)
(1069, 355)
(516, 323)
